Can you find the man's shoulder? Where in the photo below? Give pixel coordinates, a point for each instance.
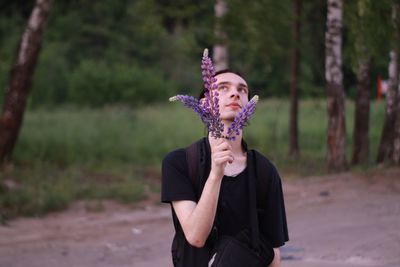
(180, 152)
(174, 156)
(266, 169)
(263, 160)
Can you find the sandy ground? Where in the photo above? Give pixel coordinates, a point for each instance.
(341, 220)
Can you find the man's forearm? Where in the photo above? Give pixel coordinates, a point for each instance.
(198, 222)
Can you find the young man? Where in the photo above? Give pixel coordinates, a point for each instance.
(224, 195)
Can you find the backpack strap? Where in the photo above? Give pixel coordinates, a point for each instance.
(196, 157)
(262, 170)
(192, 158)
(253, 196)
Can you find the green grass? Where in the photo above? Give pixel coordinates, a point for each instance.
(42, 187)
(67, 154)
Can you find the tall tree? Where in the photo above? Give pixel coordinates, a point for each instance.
(21, 78)
(386, 145)
(293, 129)
(396, 141)
(358, 19)
(361, 115)
(220, 51)
(385, 150)
(336, 141)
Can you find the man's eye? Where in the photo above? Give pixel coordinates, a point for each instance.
(223, 88)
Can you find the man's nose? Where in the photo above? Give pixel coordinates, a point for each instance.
(235, 94)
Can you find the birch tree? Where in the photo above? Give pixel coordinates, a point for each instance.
(390, 130)
(20, 80)
(336, 132)
(220, 51)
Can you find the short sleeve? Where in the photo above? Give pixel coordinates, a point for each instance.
(176, 184)
(273, 221)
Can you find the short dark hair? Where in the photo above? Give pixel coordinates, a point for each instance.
(222, 72)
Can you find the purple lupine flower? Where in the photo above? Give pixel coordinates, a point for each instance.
(242, 118)
(216, 128)
(194, 103)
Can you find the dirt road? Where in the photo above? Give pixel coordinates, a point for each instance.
(342, 220)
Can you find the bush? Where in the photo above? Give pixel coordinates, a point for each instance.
(50, 84)
(97, 84)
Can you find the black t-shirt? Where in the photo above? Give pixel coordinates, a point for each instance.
(232, 212)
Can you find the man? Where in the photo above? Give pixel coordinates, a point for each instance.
(224, 197)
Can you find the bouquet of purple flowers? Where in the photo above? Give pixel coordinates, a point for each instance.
(208, 110)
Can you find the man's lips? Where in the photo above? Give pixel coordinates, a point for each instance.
(233, 105)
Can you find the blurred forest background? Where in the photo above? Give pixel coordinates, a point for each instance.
(97, 53)
(97, 122)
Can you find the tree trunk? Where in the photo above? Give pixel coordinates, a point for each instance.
(396, 139)
(21, 78)
(361, 120)
(220, 51)
(294, 150)
(385, 149)
(336, 141)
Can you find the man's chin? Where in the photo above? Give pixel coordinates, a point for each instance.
(228, 118)
(229, 114)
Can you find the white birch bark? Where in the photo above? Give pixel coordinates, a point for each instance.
(21, 75)
(220, 55)
(336, 133)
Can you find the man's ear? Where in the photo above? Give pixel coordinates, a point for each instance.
(202, 101)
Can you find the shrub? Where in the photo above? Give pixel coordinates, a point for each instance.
(97, 84)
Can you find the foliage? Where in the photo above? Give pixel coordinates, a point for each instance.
(51, 77)
(259, 39)
(369, 31)
(97, 84)
(167, 38)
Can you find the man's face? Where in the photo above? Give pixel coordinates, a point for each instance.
(233, 94)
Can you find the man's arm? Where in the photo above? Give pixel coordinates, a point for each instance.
(197, 219)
